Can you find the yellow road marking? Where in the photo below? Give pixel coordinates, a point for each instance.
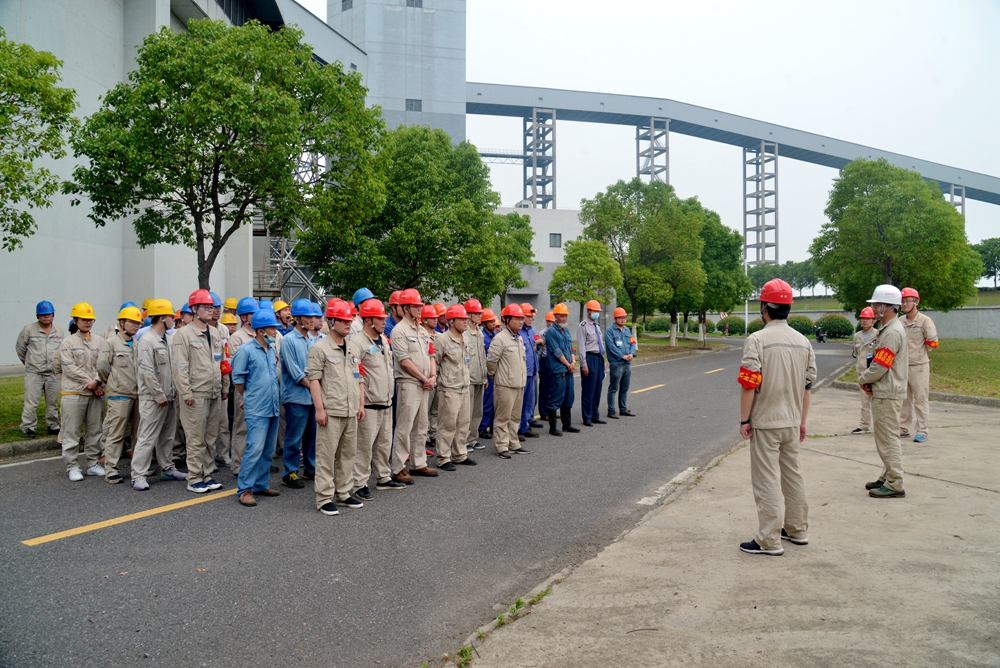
(126, 518)
(715, 370)
(646, 389)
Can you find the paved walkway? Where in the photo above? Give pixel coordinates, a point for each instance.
(908, 582)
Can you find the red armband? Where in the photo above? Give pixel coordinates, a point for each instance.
(749, 379)
(931, 344)
(885, 357)
(430, 348)
(361, 368)
(226, 367)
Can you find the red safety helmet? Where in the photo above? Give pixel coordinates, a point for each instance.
(512, 311)
(372, 308)
(776, 291)
(199, 298)
(473, 306)
(867, 312)
(910, 292)
(428, 313)
(338, 309)
(456, 311)
(410, 297)
(394, 298)
(440, 309)
(620, 313)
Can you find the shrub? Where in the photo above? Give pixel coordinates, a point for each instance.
(709, 326)
(801, 324)
(836, 326)
(736, 324)
(755, 326)
(658, 324)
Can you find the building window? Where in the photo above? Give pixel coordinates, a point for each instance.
(354, 68)
(346, 4)
(414, 105)
(414, 3)
(235, 10)
(555, 241)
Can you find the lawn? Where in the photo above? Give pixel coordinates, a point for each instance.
(961, 366)
(807, 303)
(659, 344)
(11, 405)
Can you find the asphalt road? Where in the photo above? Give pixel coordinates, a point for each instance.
(397, 583)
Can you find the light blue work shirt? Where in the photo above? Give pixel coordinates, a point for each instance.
(257, 370)
(294, 355)
(618, 343)
(560, 344)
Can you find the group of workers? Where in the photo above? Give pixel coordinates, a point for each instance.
(777, 372)
(347, 392)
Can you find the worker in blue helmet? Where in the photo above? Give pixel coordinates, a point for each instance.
(37, 345)
(299, 448)
(361, 295)
(233, 458)
(114, 329)
(187, 315)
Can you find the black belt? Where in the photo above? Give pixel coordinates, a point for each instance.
(376, 407)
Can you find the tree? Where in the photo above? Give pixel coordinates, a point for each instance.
(439, 207)
(589, 273)
(888, 225)
(35, 115)
(989, 254)
(504, 247)
(210, 131)
(722, 259)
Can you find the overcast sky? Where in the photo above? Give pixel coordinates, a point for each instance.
(916, 77)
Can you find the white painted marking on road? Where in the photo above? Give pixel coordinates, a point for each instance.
(715, 370)
(678, 479)
(647, 389)
(30, 461)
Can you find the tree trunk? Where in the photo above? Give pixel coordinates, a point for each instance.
(685, 325)
(702, 330)
(673, 329)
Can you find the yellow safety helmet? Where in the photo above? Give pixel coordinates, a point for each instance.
(230, 303)
(146, 302)
(130, 313)
(278, 305)
(160, 307)
(228, 319)
(82, 310)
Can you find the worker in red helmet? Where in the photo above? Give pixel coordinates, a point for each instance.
(776, 374)
(506, 365)
(416, 377)
(196, 355)
(395, 314)
(921, 334)
(474, 341)
(864, 339)
(451, 352)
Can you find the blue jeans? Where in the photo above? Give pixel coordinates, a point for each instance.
(544, 376)
(487, 421)
(300, 438)
(621, 376)
(528, 405)
(561, 386)
(262, 437)
(590, 392)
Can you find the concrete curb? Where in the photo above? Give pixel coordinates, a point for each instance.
(987, 402)
(36, 446)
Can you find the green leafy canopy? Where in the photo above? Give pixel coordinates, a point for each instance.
(589, 272)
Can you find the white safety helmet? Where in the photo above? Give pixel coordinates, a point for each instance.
(886, 294)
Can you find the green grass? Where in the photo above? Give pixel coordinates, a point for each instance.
(961, 366)
(11, 405)
(659, 344)
(983, 298)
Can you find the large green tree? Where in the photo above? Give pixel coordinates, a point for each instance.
(678, 236)
(588, 272)
(493, 265)
(218, 125)
(888, 225)
(439, 205)
(989, 255)
(35, 115)
(726, 285)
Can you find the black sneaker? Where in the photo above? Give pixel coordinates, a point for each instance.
(600, 421)
(478, 446)
(390, 484)
(54, 432)
(793, 541)
(447, 466)
(535, 424)
(859, 430)
(484, 435)
(521, 451)
(571, 429)
(884, 492)
(466, 462)
(292, 480)
(329, 508)
(29, 434)
(365, 494)
(613, 415)
(874, 485)
(503, 455)
(351, 502)
(520, 437)
(752, 547)
(587, 423)
(530, 434)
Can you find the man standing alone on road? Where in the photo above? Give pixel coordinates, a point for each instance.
(37, 347)
(864, 352)
(922, 336)
(777, 373)
(621, 349)
(590, 343)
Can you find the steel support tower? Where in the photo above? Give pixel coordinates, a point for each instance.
(652, 150)
(958, 198)
(540, 158)
(760, 203)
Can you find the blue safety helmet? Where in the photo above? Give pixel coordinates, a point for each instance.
(45, 308)
(246, 306)
(147, 321)
(266, 303)
(316, 310)
(301, 307)
(216, 300)
(361, 295)
(186, 309)
(128, 304)
(264, 318)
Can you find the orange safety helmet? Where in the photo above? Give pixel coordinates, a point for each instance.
(456, 311)
(372, 308)
(428, 313)
(440, 308)
(910, 292)
(528, 309)
(593, 305)
(473, 306)
(867, 312)
(410, 297)
(776, 291)
(550, 317)
(394, 298)
(488, 315)
(560, 309)
(337, 309)
(620, 313)
(512, 311)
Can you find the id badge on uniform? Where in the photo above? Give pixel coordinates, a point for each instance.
(618, 342)
(217, 357)
(372, 349)
(354, 361)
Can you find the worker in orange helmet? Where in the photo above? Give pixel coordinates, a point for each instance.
(529, 337)
(921, 334)
(477, 372)
(620, 344)
(440, 311)
(489, 331)
(429, 324)
(505, 362)
(590, 344)
(864, 339)
(451, 352)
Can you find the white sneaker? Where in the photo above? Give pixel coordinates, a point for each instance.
(96, 469)
(140, 484)
(76, 475)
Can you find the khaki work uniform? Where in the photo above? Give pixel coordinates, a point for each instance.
(220, 449)
(375, 431)
(77, 365)
(238, 438)
(37, 351)
(887, 376)
(862, 349)
(453, 397)
(507, 366)
(432, 398)
(477, 380)
(195, 357)
(338, 371)
(156, 423)
(408, 343)
(116, 367)
(922, 337)
(780, 363)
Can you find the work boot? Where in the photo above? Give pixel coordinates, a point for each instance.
(553, 424)
(567, 420)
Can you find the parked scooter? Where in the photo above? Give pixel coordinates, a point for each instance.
(820, 335)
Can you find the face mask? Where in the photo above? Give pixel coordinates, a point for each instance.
(595, 316)
(269, 340)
